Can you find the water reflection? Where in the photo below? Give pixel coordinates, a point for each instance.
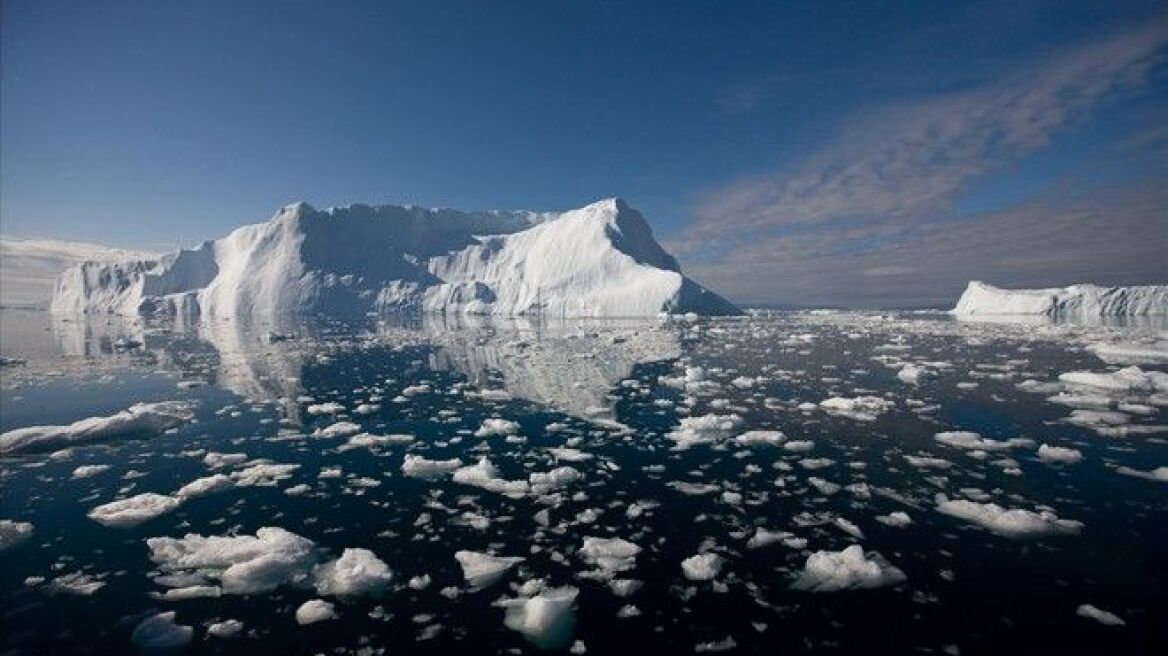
(569, 365)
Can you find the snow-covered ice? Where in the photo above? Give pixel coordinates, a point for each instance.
(145, 419)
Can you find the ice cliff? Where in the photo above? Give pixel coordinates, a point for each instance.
(599, 260)
(1076, 300)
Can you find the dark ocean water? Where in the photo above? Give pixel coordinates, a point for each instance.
(612, 390)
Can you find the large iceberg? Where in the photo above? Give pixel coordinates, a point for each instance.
(29, 268)
(599, 260)
(1074, 301)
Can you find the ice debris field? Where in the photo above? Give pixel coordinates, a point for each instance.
(812, 482)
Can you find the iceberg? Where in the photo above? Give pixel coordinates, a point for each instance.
(29, 268)
(1074, 301)
(597, 261)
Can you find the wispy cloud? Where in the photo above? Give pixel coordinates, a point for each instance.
(1113, 235)
(911, 160)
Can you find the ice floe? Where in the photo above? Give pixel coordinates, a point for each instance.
(1009, 522)
(482, 570)
(829, 571)
(145, 419)
(130, 512)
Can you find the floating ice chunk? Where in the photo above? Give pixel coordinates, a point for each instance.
(828, 571)
(762, 538)
(971, 441)
(610, 556)
(225, 629)
(693, 489)
(139, 419)
(702, 567)
(1158, 474)
(13, 533)
(495, 426)
(761, 438)
(1058, 454)
(1012, 523)
(1131, 353)
(85, 471)
(848, 527)
(357, 572)
(421, 467)
(192, 592)
(205, 485)
(337, 429)
(928, 462)
(1099, 615)
(913, 374)
(367, 409)
(161, 633)
(715, 646)
(547, 619)
(1129, 379)
(897, 519)
(130, 512)
(263, 474)
(216, 460)
(705, 429)
(860, 408)
(75, 583)
(485, 475)
(242, 564)
(568, 454)
(330, 408)
(544, 482)
(315, 610)
(483, 570)
(369, 441)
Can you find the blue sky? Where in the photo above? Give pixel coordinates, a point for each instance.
(821, 153)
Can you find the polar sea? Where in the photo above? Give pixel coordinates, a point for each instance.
(821, 482)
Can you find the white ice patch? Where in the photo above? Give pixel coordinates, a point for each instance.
(546, 619)
(225, 629)
(828, 571)
(485, 475)
(1059, 455)
(315, 610)
(1131, 353)
(161, 633)
(1158, 474)
(1012, 522)
(139, 419)
(242, 564)
(609, 556)
(1129, 379)
(85, 471)
(971, 441)
(421, 467)
(483, 570)
(860, 408)
(760, 438)
(495, 426)
(205, 485)
(130, 512)
(357, 572)
(1104, 617)
(544, 482)
(706, 429)
(702, 567)
(337, 429)
(13, 533)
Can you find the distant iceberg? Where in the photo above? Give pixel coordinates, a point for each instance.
(597, 261)
(1075, 301)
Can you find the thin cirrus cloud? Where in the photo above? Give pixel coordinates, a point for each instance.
(1112, 234)
(892, 169)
